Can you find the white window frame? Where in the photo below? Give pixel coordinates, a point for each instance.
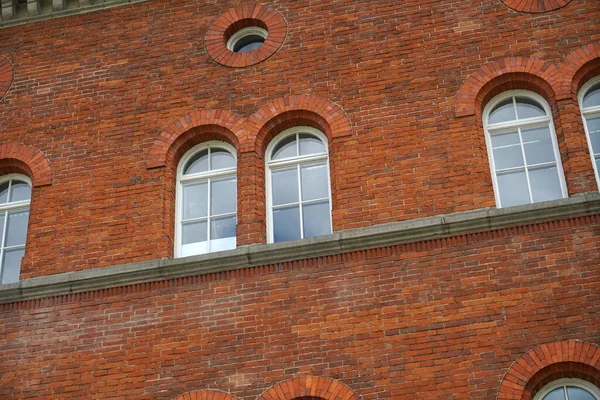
(13, 206)
(271, 165)
(489, 129)
(199, 177)
(589, 112)
(242, 33)
(590, 387)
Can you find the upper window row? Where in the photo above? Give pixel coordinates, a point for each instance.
(522, 145)
(298, 192)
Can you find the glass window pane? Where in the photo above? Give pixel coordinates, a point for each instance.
(507, 150)
(2, 228)
(598, 164)
(286, 224)
(193, 232)
(504, 111)
(528, 108)
(538, 145)
(16, 230)
(20, 191)
(198, 163)
(195, 200)
(285, 186)
(4, 192)
(576, 393)
(221, 159)
(248, 43)
(592, 97)
(11, 265)
(314, 182)
(556, 394)
(310, 144)
(512, 187)
(223, 196)
(316, 219)
(545, 184)
(285, 148)
(222, 234)
(593, 126)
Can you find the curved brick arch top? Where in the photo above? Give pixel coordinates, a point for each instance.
(244, 16)
(6, 76)
(174, 138)
(535, 6)
(309, 387)
(206, 395)
(16, 157)
(549, 361)
(524, 71)
(578, 67)
(295, 111)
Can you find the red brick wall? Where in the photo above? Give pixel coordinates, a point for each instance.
(93, 93)
(442, 319)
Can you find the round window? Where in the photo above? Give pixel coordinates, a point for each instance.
(247, 39)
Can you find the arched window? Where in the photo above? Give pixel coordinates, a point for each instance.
(298, 195)
(589, 101)
(15, 196)
(522, 149)
(206, 200)
(568, 389)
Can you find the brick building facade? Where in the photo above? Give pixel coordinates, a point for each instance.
(429, 277)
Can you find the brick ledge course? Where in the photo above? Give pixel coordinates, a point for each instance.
(442, 226)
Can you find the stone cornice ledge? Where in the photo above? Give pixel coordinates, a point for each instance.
(337, 243)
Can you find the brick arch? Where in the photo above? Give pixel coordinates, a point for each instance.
(194, 128)
(290, 111)
(6, 76)
(206, 395)
(545, 363)
(505, 74)
(309, 388)
(577, 68)
(535, 6)
(20, 158)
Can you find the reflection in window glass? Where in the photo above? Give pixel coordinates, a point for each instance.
(207, 215)
(299, 186)
(15, 195)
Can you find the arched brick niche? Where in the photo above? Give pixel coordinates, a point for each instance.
(535, 6)
(235, 19)
(548, 362)
(6, 76)
(505, 74)
(20, 158)
(206, 395)
(309, 388)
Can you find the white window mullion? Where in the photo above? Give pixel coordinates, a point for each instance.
(300, 203)
(566, 392)
(3, 244)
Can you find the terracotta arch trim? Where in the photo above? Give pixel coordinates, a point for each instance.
(28, 158)
(244, 16)
(6, 76)
(337, 123)
(515, 384)
(309, 386)
(535, 6)
(163, 145)
(468, 98)
(578, 67)
(206, 395)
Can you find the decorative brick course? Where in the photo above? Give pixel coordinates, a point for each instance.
(238, 18)
(6, 76)
(547, 362)
(16, 157)
(536, 6)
